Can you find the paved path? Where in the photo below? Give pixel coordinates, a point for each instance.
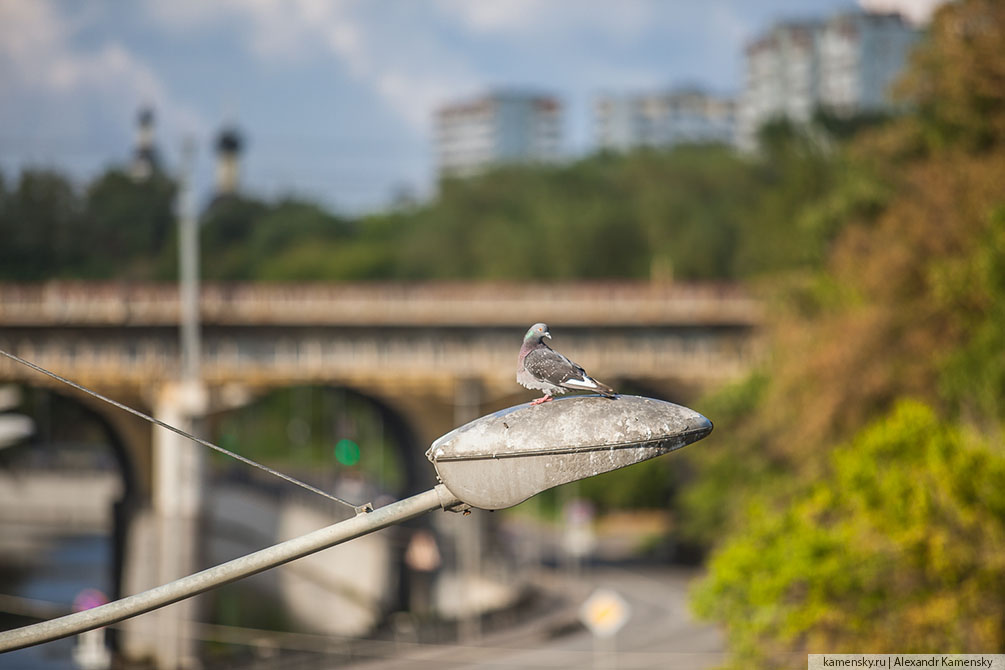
(660, 634)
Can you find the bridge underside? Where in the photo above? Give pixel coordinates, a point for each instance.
(433, 377)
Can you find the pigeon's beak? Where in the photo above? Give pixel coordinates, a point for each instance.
(547, 334)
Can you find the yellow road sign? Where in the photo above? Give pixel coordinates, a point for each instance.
(604, 612)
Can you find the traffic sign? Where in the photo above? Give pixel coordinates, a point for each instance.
(604, 613)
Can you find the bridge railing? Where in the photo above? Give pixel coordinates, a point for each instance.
(383, 304)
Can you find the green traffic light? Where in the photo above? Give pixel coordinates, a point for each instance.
(347, 452)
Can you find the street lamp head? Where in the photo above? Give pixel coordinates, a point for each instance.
(504, 458)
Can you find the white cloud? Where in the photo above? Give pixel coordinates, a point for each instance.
(413, 77)
(730, 25)
(23, 25)
(416, 59)
(280, 30)
(499, 16)
(917, 11)
(49, 89)
(553, 18)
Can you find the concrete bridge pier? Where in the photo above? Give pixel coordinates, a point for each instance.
(164, 537)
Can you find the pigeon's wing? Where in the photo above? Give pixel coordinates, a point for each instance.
(548, 365)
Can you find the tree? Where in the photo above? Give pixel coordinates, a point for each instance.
(898, 549)
(225, 229)
(128, 225)
(298, 240)
(844, 549)
(956, 81)
(40, 223)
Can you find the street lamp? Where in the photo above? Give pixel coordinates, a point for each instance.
(493, 462)
(502, 459)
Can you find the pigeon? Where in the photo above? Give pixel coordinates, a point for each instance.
(541, 367)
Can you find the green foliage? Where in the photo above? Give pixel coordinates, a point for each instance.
(724, 471)
(117, 228)
(845, 126)
(956, 80)
(694, 212)
(896, 541)
(973, 375)
(900, 548)
(226, 228)
(39, 223)
(646, 485)
(128, 224)
(796, 171)
(247, 239)
(299, 429)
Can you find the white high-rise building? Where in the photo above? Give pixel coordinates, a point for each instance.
(845, 65)
(860, 56)
(782, 78)
(663, 119)
(502, 127)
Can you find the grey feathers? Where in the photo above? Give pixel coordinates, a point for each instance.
(541, 367)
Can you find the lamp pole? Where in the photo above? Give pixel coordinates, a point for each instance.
(179, 467)
(245, 566)
(188, 275)
(494, 462)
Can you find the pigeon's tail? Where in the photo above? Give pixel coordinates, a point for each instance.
(605, 390)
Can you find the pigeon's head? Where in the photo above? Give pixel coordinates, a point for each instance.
(537, 332)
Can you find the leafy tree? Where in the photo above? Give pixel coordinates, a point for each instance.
(796, 169)
(956, 80)
(973, 374)
(907, 303)
(290, 240)
(693, 212)
(898, 549)
(128, 224)
(906, 299)
(40, 226)
(226, 227)
(731, 465)
(294, 240)
(843, 127)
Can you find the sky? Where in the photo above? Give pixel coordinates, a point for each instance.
(335, 98)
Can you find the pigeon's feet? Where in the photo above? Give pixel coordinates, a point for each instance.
(541, 400)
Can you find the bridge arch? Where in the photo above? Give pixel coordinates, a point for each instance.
(311, 422)
(71, 441)
(123, 508)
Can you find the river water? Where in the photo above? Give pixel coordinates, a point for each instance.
(56, 571)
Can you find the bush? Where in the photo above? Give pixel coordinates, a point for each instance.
(899, 549)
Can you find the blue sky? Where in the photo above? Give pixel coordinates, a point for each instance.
(335, 97)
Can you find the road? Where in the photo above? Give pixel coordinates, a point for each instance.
(660, 633)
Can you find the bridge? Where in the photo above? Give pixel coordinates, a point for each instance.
(429, 355)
